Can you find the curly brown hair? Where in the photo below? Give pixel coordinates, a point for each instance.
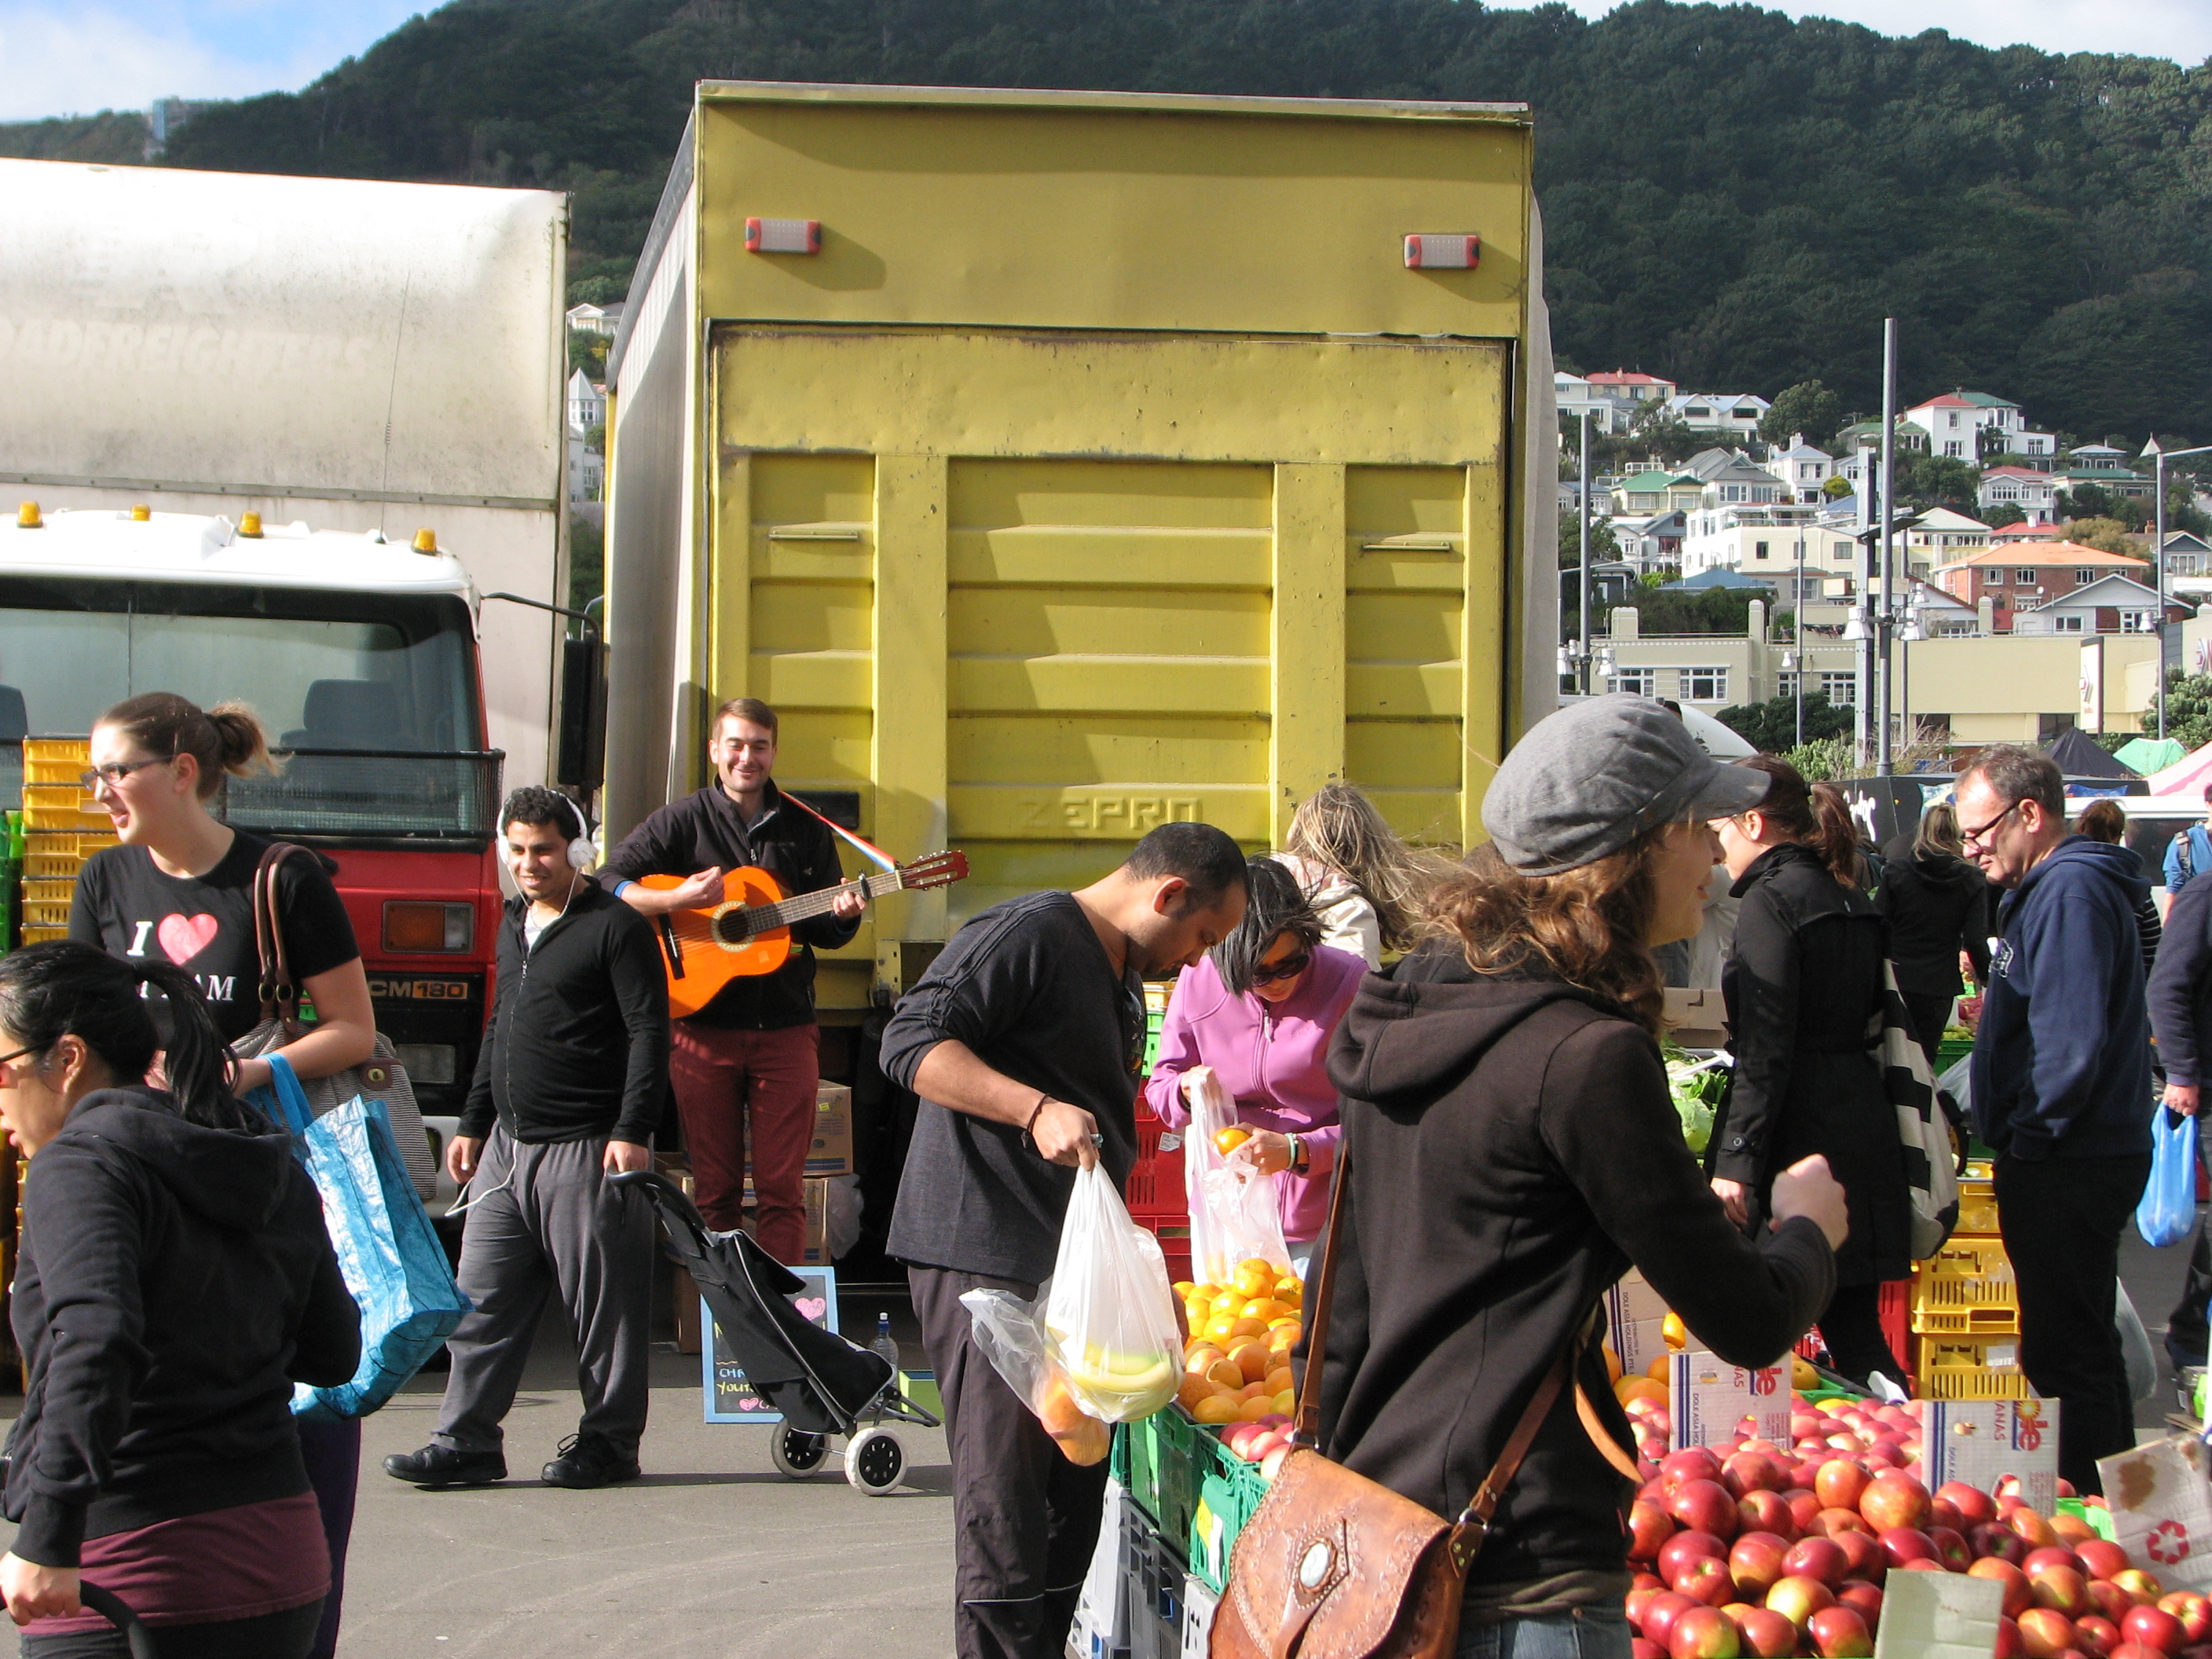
(1589, 925)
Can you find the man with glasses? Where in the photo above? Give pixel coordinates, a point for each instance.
(1025, 1040)
(2062, 1086)
(747, 1066)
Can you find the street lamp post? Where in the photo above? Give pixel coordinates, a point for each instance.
(1582, 500)
(1877, 648)
(2158, 458)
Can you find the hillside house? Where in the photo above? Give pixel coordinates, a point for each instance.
(1729, 414)
(2021, 488)
(2026, 575)
(2113, 604)
(1801, 468)
(1941, 537)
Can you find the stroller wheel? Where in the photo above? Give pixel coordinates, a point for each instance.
(874, 1460)
(797, 1454)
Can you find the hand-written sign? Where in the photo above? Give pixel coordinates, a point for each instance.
(1981, 1441)
(1712, 1397)
(729, 1397)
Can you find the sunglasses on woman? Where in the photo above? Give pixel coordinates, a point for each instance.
(1288, 968)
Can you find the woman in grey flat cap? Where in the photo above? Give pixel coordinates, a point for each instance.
(1510, 1150)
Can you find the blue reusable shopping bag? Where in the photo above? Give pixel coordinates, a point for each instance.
(2168, 1209)
(387, 1250)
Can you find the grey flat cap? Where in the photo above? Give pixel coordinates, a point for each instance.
(1589, 780)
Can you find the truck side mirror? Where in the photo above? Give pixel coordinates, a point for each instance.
(581, 761)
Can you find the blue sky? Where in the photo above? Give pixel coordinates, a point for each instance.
(64, 56)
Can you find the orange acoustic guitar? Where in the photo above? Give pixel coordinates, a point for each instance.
(749, 932)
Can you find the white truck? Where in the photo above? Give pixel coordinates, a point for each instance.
(356, 355)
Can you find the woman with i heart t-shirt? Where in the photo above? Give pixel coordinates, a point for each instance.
(180, 889)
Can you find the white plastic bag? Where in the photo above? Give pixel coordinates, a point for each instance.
(1012, 1338)
(1234, 1214)
(1108, 1314)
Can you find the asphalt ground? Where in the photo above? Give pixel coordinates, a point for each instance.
(713, 1554)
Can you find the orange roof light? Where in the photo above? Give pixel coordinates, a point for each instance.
(426, 541)
(27, 516)
(141, 514)
(249, 525)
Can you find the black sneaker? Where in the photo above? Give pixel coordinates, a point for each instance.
(437, 1465)
(588, 1460)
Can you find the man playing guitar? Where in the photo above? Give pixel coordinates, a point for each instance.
(746, 1064)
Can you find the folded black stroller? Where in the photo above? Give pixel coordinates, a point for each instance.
(823, 1383)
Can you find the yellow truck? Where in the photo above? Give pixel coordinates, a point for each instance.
(1060, 463)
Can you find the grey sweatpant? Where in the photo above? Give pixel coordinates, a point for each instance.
(547, 1224)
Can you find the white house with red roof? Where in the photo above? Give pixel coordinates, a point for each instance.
(2021, 488)
(1956, 421)
(2024, 576)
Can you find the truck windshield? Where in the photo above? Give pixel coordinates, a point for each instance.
(329, 672)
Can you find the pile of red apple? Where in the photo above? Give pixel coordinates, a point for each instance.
(1762, 1554)
(1266, 1443)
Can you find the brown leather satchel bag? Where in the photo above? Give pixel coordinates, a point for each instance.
(1333, 1565)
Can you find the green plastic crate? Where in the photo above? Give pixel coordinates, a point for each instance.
(1168, 1459)
(1227, 1498)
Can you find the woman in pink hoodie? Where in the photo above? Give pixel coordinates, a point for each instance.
(1260, 1009)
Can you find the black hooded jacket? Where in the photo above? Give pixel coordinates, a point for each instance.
(1936, 905)
(1512, 1152)
(174, 1282)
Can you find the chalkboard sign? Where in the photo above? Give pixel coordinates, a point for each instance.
(730, 1398)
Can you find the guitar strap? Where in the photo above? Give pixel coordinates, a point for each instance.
(867, 849)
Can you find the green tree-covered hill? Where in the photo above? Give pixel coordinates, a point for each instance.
(1731, 198)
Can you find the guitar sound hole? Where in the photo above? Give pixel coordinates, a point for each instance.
(732, 928)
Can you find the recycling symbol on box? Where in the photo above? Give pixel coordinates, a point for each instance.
(2168, 1543)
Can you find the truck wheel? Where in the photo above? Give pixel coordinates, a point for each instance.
(874, 1461)
(795, 1454)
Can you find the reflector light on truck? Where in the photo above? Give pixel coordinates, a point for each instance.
(417, 927)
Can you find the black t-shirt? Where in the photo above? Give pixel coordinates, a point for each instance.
(1027, 986)
(126, 906)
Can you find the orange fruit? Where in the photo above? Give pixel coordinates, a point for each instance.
(1202, 1359)
(1195, 1313)
(1283, 1338)
(1252, 1279)
(1612, 1365)
(1227, 1373)
(1279, 1379)
(1262, 1308)
(1228, 1302)
(1252, 1391)
(1221, 1329)
(1183, 1289)
(1240, 1328)
(1215, 1408)
(1251, 1358)
(1658, 1368)
(1671, 1330)
(1287, 1402)
(1290, 1292)
(1252, 1410)
(1227, 1140)
(1195, 1389)
(1639, 1388)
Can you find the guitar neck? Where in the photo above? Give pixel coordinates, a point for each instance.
(800, 906)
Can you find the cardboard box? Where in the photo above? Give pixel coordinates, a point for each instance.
(815, 1193)
(687, 1313)
(1696, 1019)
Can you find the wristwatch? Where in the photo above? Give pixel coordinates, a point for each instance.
(1298, 1155)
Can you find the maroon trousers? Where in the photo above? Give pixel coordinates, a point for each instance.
(735, 1085)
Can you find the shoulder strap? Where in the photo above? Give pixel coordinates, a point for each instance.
(280, 992)
(1473, 1526)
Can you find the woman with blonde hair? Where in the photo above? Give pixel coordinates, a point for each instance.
(1510, 1150)
(1937, 903)
(1364, 884)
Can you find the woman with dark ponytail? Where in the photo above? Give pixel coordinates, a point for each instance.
(174, 1281)
(180, 889)
(1803, 983)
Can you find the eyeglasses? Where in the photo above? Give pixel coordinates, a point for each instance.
(1288, 968)
(1970, 837)
(9, 1060)
(115, 771)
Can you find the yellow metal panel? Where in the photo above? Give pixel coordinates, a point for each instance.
(730, 578)
(1077, 214)
(908, 692)
(1486, 681)
(1306, 693)
(1155, 397)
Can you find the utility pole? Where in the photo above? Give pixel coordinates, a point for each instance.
(1581, 669)
(1878, 645)
(2158, 458)
(1797, 640)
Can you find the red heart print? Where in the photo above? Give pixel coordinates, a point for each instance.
(183, 937)
(811, 1307)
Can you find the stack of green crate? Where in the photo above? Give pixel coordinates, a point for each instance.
(11, 881)
(1157, 993)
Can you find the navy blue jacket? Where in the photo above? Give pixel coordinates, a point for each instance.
(2062, 1061)
(2181, 985)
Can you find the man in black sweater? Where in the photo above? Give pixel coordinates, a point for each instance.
(566, 1090)
(2181, 1019)
(746, 1067)
(1023, 1041)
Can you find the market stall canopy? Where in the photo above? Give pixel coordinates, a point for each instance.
(2080, 756)
(2149, 755)
(1720, 742)
(2186, 776)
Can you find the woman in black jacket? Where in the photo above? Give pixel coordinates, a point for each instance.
(174, 1281)
(1804, 981)
(1510, 1150)
(1937, 904)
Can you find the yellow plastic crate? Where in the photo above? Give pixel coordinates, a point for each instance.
(1949, 1369)
(46, 889)
(45, 913)
(58, 749)
(62, 806)
(1966, 1288)
(1978, 1203)
(58, 854)
(41, 935)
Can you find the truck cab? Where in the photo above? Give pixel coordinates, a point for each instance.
(360, 655)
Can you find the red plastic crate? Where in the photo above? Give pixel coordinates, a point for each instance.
(1155, 1194)
(1896, 1310)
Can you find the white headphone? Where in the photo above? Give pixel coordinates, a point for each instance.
(583, 854)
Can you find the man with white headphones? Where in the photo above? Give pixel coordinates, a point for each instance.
(569, 1086)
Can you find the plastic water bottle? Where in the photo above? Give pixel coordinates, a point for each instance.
(885, 1343)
